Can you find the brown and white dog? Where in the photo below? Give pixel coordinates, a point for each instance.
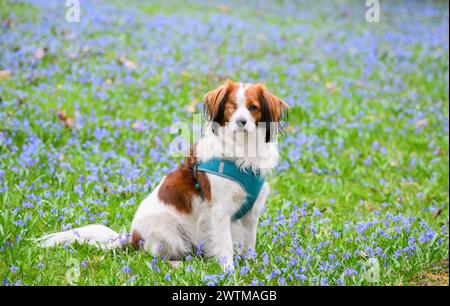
(242, 124)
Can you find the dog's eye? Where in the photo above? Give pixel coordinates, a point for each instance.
(253, 107)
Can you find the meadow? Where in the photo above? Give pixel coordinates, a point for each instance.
(361, 194)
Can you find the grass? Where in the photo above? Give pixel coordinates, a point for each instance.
(436, 275)
(360, 196)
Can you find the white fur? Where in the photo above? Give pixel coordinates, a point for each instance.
(242, 112)
(94, 234)
(166, 231)
(249, 150)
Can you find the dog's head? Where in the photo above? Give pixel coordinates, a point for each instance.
(245, 108)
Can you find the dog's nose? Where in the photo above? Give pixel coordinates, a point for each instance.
(241, 122)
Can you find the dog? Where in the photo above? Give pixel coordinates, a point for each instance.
(191, 206)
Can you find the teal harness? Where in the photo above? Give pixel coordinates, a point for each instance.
(250, 182)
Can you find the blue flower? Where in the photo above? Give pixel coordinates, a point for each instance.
(13, 269)
(127, 270)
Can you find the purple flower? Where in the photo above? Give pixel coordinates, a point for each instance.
(13, 269)
(127, 270)
(244, 270)
(350, 272)
(274, 273)
(199, 249)
(324, 282)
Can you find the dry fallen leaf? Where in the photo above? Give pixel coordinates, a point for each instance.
(68, 122)
(437, 213)
(331, 87)
(127, 63)
(137, 126)
(422, 122)
(224, 9)
(5, 74)
(40, 53)
(7, 23)
(70, 35)
(73, 56)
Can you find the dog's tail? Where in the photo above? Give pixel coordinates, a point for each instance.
(94, 234)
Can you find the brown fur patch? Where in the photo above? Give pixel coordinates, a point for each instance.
(273, 109)
(178, 187)
(230, 108)
(220, 103)
(253, 103)
(135, 239)
(274, 105)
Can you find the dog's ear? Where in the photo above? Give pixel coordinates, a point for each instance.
(274, 112)
(214, 102)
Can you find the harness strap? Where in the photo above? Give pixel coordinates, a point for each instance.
(250, 182)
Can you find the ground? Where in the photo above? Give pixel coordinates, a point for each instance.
(360, 196)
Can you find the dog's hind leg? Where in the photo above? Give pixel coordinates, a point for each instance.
(163, 235)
